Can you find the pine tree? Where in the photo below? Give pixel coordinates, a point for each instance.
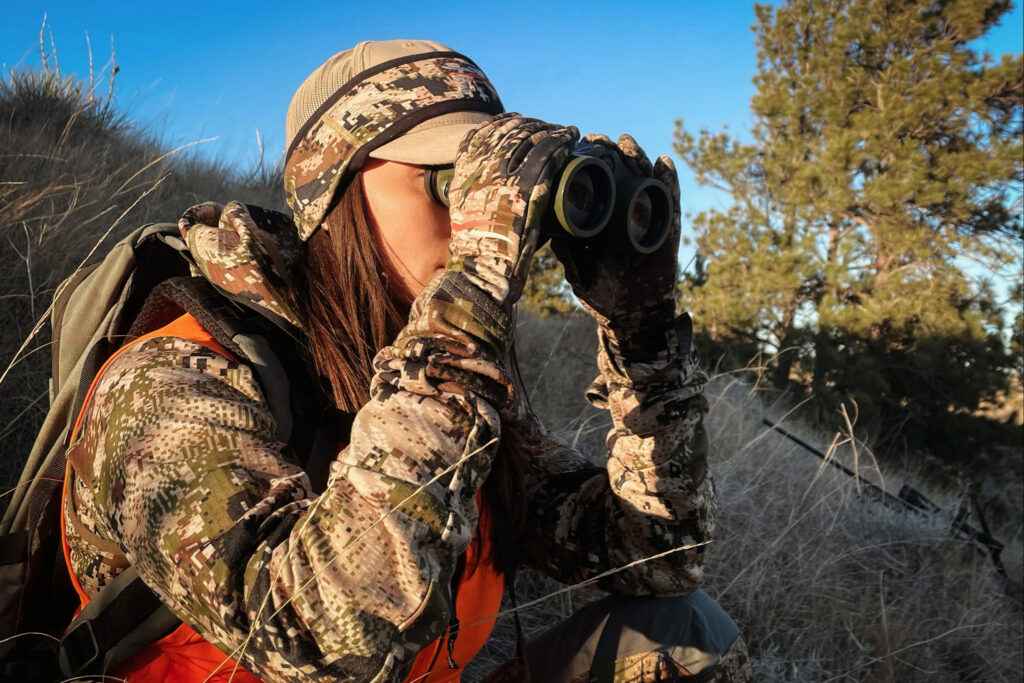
(886, 153)
(1017, 334)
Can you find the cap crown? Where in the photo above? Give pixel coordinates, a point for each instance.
(362, 99)
(330, 76)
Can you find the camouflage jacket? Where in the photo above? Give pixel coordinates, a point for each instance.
(184, 479)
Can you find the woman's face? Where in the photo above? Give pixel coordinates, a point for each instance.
(413, 229)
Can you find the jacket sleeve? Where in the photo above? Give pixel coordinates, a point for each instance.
(654, 496)
(222, 523)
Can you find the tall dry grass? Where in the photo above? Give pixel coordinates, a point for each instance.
(75, 176)
(826, 585)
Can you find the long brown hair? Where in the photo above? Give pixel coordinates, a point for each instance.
(351, 306)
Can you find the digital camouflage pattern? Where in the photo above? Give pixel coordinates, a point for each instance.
(320, 158)
(504, 175)
(178, 471)
(246, 252)
(659, 667)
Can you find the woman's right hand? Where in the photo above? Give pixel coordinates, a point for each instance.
(505, 173)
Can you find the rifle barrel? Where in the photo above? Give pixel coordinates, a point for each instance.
(915, 502)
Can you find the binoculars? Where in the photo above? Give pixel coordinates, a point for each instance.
(592, 190)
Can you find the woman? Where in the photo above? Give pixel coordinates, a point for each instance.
(393, 567)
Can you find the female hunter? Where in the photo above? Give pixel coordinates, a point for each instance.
(388, 559)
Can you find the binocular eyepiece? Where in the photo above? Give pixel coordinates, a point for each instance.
(591, 191)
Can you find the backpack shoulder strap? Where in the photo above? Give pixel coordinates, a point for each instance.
(122, 619)
(89, 318)
(126, 615)
(61, 298)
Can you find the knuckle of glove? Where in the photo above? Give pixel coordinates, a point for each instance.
(507, 149)
(665, 171)
(488, 134)
(633, 157)
(531, 158)
(550, 163)
(598, 139)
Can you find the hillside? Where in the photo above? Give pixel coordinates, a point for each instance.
(826, 585)
(75, 176)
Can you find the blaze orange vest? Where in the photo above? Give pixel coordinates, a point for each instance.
(183, 655)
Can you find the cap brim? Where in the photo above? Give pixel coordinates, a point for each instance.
(434, 142)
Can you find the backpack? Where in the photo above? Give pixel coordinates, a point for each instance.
(143, 282)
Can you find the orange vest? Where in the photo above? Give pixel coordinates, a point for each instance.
(183, 655)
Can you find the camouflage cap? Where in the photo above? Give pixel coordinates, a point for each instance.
(402, 100)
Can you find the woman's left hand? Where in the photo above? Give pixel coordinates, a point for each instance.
(630, 294)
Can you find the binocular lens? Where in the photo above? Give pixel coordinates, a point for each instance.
(640, 217)
(585, 197)
(581, 196)
(648, 215)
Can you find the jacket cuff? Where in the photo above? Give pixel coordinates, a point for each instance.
(645, 395)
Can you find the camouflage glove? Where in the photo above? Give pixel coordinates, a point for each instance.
(504, 176)
(631, 295)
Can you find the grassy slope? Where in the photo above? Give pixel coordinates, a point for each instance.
(75, 176)
(825, 585)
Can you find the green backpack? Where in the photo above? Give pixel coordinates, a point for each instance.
(144, 282)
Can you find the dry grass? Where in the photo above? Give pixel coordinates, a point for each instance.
(75, 177)
(826, 585)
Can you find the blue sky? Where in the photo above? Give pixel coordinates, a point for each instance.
(602, 66)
